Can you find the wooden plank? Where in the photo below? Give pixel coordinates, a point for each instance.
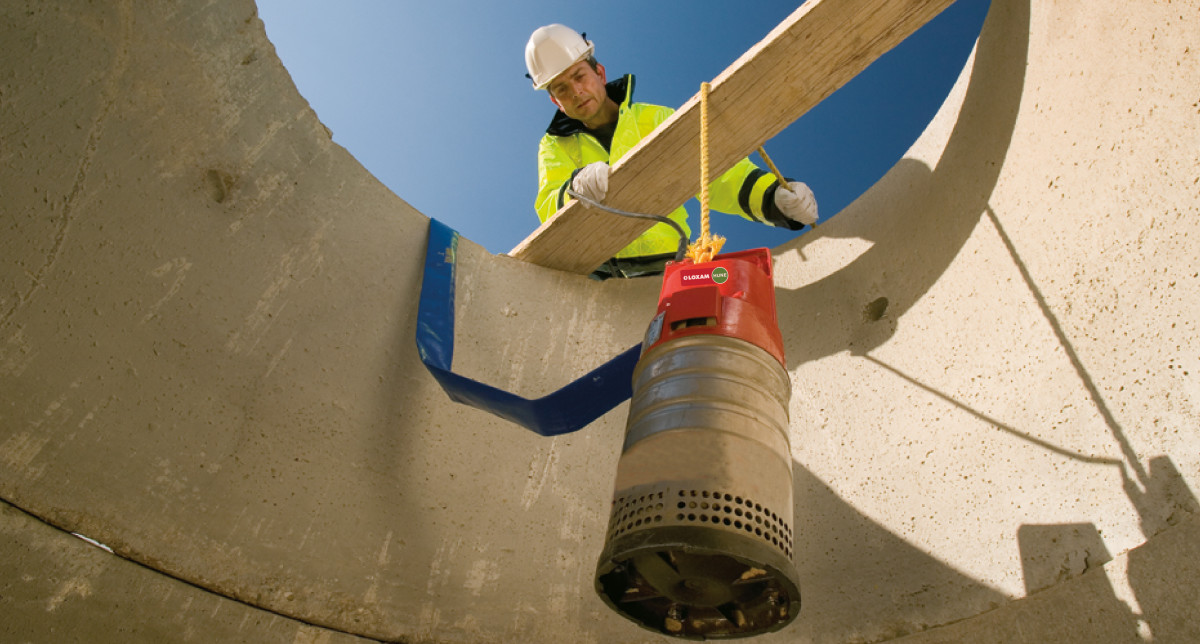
(811, 54)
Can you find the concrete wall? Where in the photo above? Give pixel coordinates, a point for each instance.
(207, 363)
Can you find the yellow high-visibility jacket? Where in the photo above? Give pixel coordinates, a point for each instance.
(745, 190)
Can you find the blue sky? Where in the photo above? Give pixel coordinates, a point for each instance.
(432, 99)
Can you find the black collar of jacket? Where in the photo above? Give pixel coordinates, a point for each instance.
(620, 91)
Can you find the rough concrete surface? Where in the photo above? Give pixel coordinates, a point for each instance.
(55, 587)
(207, 364)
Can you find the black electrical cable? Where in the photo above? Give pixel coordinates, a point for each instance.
(683, 238)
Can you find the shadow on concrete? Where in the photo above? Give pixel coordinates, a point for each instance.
(859, 566)
(1057, 554)
(1158, 493)
(1166, 579)
(857, 307)
(859, 582)
(1161, 577)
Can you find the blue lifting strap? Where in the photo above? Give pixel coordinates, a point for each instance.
(569, 409)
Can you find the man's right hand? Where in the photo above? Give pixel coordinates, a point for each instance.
(592, 181)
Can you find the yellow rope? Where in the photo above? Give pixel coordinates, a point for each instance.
(771, 164)
(706, 246)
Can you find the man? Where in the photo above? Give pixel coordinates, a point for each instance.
(598, 122)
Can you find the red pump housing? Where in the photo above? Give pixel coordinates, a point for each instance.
(733, 295)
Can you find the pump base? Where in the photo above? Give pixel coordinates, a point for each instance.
(698, 583)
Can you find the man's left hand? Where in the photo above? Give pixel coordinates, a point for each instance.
(796, 202)
(592, 181)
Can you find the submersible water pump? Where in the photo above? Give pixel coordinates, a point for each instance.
(700, 541)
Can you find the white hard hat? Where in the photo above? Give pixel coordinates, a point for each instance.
(551, 50)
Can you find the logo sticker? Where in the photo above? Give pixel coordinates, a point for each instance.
(718, 275)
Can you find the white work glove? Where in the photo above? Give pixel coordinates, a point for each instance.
(796, 202)
(592, 181)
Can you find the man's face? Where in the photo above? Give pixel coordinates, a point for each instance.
(579, 91)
